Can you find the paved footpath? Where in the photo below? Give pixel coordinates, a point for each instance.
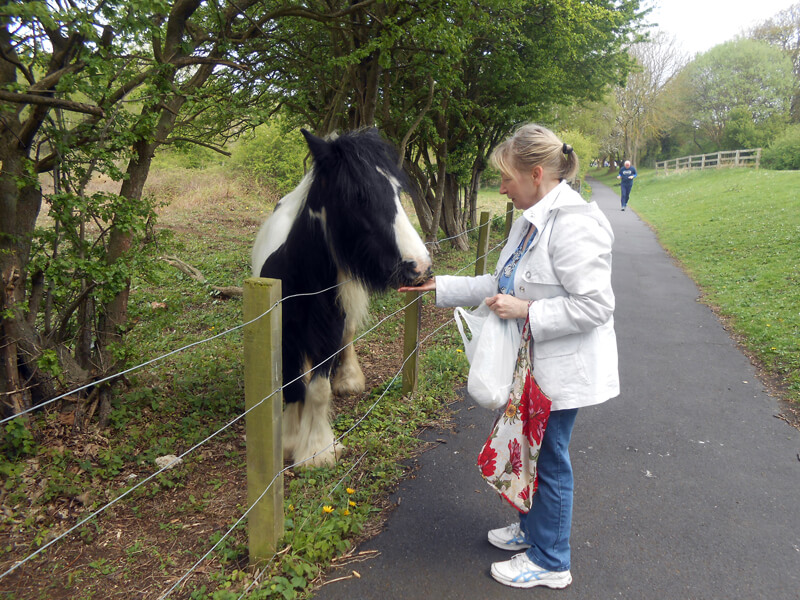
(687, 486)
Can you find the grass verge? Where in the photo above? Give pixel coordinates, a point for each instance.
(737, 234)
(143, 544)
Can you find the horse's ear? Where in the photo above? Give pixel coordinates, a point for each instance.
(316, 145)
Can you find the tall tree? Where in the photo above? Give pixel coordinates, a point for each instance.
(645, 107)
(446, 80)
(86, 87)
(783, 31)
(735, 80)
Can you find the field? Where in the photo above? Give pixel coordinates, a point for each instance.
(142, 545)
(737, 234)
(742, 249)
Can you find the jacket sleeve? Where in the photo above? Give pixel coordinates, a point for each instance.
(580, 249)
(452, 290)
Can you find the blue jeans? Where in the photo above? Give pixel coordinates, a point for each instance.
(626, 193)
(547, 526)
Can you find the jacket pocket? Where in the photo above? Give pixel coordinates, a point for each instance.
(561, 377)
(560, 346)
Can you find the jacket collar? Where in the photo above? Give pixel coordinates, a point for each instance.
(539, 212)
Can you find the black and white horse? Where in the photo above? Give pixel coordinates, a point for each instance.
(342, 226)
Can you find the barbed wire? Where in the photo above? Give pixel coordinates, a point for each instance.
(199, 444)
(302, 525)
(210, 437)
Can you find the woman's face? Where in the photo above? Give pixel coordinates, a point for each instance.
(521, 188)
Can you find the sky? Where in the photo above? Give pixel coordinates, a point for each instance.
(702, 24)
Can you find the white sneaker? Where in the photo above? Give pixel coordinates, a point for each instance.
(508, 538)
(522, 572)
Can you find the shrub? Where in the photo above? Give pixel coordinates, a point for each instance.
(784, 153)
(271, 157)
(585, 147)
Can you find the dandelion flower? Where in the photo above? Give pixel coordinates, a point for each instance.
(346, 512)
(351, 503)
(327, 509)
(351, 491)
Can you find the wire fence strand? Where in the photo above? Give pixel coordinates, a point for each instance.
(167, 355)
(239, 417)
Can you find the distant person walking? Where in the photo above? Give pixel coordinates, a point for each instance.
(626, 176)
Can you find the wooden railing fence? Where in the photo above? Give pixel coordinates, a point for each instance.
(715, 160)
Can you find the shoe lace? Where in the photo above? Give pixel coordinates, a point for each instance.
(520, 562)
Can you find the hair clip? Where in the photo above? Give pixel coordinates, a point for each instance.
(566, 148)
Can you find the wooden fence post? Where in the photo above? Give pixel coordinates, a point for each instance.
(758, 157)
(509, 219)
(483, 244)
(262, 376)
(411, 342)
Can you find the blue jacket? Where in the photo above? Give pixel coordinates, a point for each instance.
(627, 175)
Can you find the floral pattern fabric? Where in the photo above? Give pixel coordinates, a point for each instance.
(508, 459)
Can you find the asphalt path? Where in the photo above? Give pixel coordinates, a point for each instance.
(687, 486)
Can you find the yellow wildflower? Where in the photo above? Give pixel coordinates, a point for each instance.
(351, 503)
(327, 509)
(346, 512)
(351, 491)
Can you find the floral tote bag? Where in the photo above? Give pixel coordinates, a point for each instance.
(508, 458)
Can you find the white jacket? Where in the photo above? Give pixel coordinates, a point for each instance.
(567, 273)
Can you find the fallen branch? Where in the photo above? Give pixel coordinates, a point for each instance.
(224, 291)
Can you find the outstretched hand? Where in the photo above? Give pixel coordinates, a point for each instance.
(428, 286)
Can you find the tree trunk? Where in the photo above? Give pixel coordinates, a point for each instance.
(453, 213)
(471, 199)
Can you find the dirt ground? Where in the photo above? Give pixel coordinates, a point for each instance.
(140, 547)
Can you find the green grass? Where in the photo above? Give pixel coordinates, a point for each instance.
(172, 405)
(737, 234)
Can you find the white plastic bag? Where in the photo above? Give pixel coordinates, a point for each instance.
(492, 353)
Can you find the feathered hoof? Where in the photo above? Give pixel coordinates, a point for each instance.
(323, 458)
(348, 380)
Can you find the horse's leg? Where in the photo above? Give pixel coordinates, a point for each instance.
(348, 377)
(294, 363)
(315, 442)
(354, 302)
(292, 414)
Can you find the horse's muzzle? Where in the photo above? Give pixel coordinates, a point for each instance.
(408, 275)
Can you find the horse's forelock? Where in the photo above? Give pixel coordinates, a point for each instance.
(367, 231)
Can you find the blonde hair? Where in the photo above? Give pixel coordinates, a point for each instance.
(533, 145)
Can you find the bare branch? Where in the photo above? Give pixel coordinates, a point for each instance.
(199, 143)
(69, 105)
(207, 60)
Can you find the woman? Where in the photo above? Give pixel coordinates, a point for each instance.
(555, 270)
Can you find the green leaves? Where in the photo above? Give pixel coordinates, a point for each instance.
(735, 80)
